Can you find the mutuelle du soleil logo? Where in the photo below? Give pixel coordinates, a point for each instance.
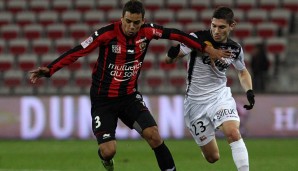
(125, 71)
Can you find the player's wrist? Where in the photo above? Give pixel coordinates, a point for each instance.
(48, 72)
(250, 92)
(173, 51)
(207, 49)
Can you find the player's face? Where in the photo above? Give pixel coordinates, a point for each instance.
(131, 23)
(220, 29)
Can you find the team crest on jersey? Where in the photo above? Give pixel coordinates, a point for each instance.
(142, 46)
(87, 42)
(116, 48)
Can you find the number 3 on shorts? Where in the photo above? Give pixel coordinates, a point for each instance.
(198, 127)
(97, 121)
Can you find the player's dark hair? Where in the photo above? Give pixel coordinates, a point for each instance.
(134, 7)
(224, 13)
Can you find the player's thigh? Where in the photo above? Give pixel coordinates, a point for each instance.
(223, 111)
(137, 116)
(198, 123)
(104, 123)
(210, 150)
(202, 130)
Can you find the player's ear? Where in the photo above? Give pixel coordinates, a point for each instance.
(143, 20)
(233, 25)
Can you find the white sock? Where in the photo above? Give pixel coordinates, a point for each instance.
(240, 155)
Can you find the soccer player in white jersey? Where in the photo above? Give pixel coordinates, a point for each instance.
(209, 104)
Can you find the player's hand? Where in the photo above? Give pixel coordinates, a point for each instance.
(217, 54)
(251, 99)
(38, 73)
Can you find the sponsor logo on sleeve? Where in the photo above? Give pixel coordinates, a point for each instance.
(87, 42)
(156, 33)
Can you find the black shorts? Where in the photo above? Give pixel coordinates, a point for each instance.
(131, 110)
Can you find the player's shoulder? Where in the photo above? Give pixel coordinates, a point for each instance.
(203, 35)
(151, 25)
(235, 47)
(105, 31)
(107, 27)
(203, 32)
(234, 43)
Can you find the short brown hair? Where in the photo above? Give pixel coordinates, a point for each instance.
(225, 13)
(134, 6)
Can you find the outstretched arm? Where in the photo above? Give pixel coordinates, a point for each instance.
(65, 59)
(174, 53)
(38, 73)
(193, 42)
(68, 57)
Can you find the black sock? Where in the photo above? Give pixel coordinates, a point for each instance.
(164, 157)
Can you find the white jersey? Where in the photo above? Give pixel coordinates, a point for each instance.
(204, 82)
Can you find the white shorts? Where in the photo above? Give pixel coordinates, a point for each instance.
(204, 119)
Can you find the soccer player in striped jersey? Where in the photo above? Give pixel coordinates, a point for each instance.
(209, 104)
(114, 91)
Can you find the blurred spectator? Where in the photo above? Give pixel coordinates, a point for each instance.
(259, 65)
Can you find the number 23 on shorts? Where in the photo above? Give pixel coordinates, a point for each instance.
(198, 127)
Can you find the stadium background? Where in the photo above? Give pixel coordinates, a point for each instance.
(35, 32)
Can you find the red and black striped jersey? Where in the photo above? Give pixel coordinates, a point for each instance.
(120, 57)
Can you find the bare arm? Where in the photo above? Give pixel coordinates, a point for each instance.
(246, 83)
(245, 80)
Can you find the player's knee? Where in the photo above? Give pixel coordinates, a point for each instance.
(107, 151)
(151, 135)
(212, 158)
(234, 134)
(108, 154)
